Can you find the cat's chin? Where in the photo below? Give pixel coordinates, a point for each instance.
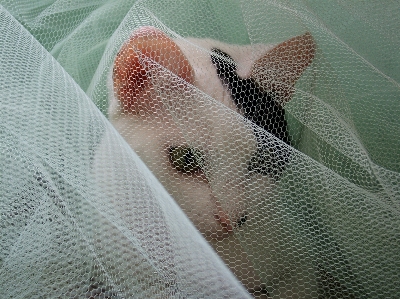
(219, 232)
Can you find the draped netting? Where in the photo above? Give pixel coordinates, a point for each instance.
(173, 184)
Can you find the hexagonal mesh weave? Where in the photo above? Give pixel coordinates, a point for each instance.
(171, 149)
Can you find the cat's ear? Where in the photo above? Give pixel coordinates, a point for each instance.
(146, 46)
(280, 68)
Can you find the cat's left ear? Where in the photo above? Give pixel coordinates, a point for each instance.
(147, 47)
(280, 68)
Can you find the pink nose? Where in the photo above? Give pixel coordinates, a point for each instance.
(223, 219)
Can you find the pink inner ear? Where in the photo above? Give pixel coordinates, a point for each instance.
(131, 84)
(279, 69)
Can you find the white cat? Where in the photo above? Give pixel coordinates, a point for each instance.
(201, 151)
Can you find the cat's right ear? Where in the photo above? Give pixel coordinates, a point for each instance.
(280, 68)
(131, 83)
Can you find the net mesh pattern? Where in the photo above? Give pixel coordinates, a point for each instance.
(207, 149)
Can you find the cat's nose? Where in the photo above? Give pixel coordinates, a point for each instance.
(226, 223)
(223, 219)
(242, 220)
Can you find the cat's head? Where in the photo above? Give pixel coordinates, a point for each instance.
(166, 102)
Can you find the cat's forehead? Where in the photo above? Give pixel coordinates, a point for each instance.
(243, 55)
(198, 53)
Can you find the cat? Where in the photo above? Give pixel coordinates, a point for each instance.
(149, 83)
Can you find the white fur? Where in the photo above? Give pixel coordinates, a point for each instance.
(222, 134)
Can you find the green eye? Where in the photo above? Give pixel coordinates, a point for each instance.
(185, 159)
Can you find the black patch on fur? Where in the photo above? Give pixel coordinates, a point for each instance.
(242, 220)
(261, 108)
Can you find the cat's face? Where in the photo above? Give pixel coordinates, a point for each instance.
(199, 149)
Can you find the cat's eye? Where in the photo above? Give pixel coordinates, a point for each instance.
(186, 159)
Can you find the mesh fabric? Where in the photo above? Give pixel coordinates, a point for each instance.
(180, 182)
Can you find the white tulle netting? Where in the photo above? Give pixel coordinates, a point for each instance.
(205, 149)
